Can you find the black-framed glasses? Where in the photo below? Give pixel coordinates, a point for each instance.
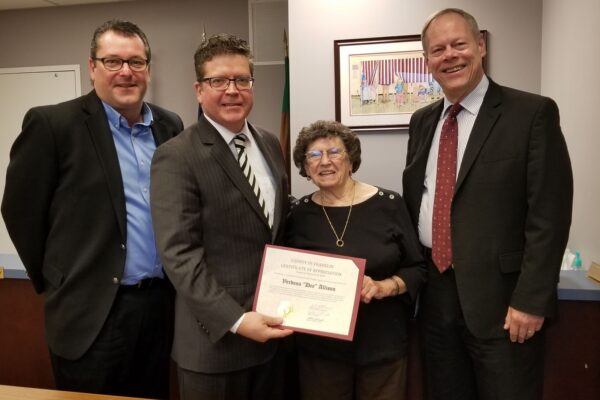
(116, 63)
(315, 156)
(220, 83)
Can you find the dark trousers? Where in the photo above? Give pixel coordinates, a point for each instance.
(131, 355)
(461, 366)
(322, 378)
(261, 382)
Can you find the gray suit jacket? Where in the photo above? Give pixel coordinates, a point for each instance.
(211, 234)
(511, 209)
(64, 208)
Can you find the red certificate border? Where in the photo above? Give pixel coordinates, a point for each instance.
(360, 264)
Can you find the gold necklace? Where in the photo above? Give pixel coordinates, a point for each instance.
(339, 242)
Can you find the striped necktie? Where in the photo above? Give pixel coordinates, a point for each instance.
(240, 145)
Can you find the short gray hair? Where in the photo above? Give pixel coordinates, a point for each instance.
(466, 16)
(325, 129)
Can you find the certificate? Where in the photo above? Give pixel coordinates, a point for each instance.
(313, 292)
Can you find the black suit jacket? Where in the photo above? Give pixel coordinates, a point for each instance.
(511, 209)
(64, 208)
(211, 234)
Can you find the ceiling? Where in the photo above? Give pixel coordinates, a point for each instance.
(19, 4)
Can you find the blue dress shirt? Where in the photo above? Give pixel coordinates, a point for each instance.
(135, 147)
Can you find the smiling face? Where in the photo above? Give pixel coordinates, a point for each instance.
(327, 173)
(228, 107)
(123, 90)
(454, 55)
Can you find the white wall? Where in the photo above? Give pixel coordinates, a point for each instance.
(62, 35)
(570, 59)
(514, 59)
(518, 57)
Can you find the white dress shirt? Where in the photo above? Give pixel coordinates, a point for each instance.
(259, 165)
(466, 118)
(261, 170)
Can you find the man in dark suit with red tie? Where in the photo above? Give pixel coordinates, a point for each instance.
(489, 185)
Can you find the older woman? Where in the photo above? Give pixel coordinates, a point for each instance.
(353, 218)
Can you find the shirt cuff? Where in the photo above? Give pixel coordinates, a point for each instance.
(237, 324)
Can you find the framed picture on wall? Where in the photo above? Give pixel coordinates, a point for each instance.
(380, 82)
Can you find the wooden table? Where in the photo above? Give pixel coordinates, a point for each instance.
(23, 393)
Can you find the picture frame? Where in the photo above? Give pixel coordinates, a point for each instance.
(380, 82)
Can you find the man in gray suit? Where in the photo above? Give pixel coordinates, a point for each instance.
(495, 236)
(76, 206)
(211, 227)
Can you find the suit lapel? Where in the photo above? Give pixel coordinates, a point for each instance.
(430, 119)
(101, 136)
(421, 139)
(222, 154)
(486, 118)
(159, 130)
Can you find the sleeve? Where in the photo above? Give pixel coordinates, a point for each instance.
(411, 269)
(177, 218)
(548, 219)
(31, 178)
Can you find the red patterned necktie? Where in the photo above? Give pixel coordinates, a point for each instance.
(441, 249)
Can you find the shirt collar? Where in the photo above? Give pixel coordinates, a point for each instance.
(473, 101)
(228, 135)
(117, 120)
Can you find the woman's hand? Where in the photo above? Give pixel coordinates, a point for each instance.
(372, 289)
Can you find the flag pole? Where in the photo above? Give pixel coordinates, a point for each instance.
(200, 111)
(284, 130)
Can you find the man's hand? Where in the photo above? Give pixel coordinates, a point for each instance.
(522, 326)
(261, 328)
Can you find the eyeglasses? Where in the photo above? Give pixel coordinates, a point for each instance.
(218, 83)
(115, 64)
(314, 156)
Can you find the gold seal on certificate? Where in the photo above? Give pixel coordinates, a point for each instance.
(313, 292)
(284, 309)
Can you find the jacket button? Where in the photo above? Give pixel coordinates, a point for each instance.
(123, 247)
(115, 280)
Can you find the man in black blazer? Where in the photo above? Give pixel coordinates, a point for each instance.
(211, 231)
(76, 206)
(510, 213)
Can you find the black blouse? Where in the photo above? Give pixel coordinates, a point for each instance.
(380, 231)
